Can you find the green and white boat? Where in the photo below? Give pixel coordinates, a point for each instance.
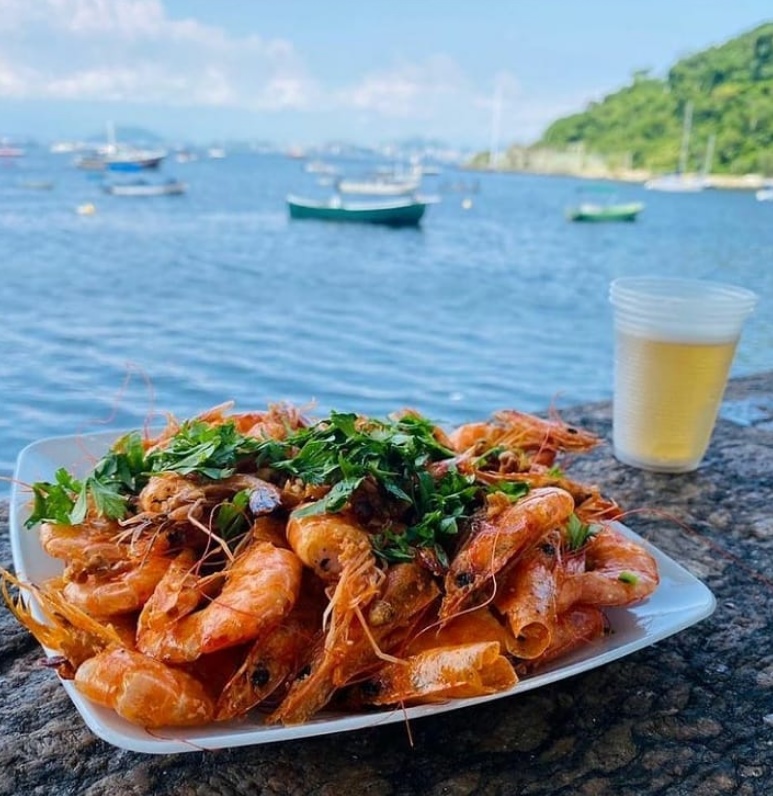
(594, 212)
(603, 206)
(403, 212)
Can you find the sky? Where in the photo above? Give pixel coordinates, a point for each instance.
(307, 72)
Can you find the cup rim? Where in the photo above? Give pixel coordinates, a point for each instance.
(645, 288)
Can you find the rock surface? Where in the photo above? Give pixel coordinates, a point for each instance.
(690, 716)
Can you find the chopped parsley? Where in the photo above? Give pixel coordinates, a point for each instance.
(197, 448)
(578, 532)
(389, 460)
(231, 517)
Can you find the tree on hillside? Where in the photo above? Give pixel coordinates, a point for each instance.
(730, 87)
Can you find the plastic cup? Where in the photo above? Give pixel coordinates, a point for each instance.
(674, 344)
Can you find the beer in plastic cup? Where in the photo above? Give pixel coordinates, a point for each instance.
(674, 344)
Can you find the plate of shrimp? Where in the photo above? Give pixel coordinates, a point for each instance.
(243, 578)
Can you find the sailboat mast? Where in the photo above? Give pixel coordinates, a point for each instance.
(709, 155)
(686, 131)
(496, 118)
(111, 137)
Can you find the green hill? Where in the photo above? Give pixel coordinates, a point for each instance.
(730, 87)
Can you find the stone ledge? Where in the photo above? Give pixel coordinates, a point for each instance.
(691, 715)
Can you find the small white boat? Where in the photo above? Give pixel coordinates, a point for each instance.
(676, 183)
(764, 195)
(7, 151)
(319, 167)
(145, 188)
(379, 186)
(681, 181)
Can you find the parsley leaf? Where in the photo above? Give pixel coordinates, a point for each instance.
(578, 532)
(232, 515)
(53, 502)
(211, 451)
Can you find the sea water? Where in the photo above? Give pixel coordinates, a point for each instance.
(175, 304)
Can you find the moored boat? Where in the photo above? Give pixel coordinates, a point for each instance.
(406, 212)
(676, 183)
(115, 156)
(7, 151)
(379, 186)
(681, 181)
(589, 211)
(121, 159)
(600, 203)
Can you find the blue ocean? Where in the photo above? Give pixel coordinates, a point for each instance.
(175, 304)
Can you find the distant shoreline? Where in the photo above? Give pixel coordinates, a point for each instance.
(730, 182)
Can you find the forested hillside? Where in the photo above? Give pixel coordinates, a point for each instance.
(730, 88)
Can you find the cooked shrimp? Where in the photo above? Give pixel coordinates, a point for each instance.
(618, 571)
(273, 661)
(261, 586)
(123, 589)
(439, 673)
(529, 595)
(578, 626)
(320, 539)
(590, 504)
(496, 540)
(521, 432)
(479, 625)
(65, 629)
(406, 593)
(180, 508)
(144, 691)
(93, 540)
(170, 494)
(275, 423)
(339, 551)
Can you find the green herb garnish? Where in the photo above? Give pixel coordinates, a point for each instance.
(202, 449)
(344, 450)
(197, 448)
(578, 532)
(231, 516)
(392, 459)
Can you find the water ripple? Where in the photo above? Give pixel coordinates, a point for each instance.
(181, 303)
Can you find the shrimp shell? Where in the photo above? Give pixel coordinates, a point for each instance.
(529, 595)
(498, 540)
(261, 586)
(618, 571)
(144, 691)
(440, 673)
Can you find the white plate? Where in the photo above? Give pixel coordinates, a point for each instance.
(680, 601)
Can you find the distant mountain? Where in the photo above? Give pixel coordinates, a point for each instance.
(730, 87)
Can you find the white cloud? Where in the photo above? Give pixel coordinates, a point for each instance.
(132, 51)
(407, 90)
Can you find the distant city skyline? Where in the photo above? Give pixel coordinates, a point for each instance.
(304, 73)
